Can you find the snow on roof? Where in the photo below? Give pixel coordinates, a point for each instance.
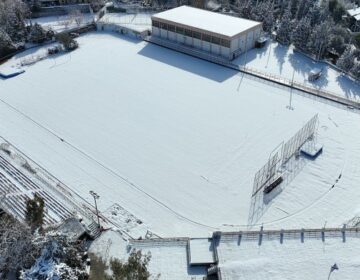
(290, 259)
(169, 258)
(72, 228)
(315, 71)
(201, 251)
(354, 12)
(225, 25)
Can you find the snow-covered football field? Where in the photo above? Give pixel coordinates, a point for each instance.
(176, 141)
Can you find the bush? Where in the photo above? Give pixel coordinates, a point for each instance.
(38, 35)
(67, 41)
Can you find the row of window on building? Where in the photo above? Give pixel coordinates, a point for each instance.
(191, 33)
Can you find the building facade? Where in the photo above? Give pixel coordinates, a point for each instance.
(50, 3)
(215, 33)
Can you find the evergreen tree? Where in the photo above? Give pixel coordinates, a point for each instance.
(301, 34)
(134, 268)
(355, 70)
(6, 44)
(303, 9)
(346, 60)
(285, 27)
(35, 212)
(318, 41)
(337, 44)
(294, 7)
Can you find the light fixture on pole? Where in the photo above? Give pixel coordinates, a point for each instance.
(290, 107)
(96, 196)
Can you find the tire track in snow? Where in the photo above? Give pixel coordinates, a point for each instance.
(124, 179)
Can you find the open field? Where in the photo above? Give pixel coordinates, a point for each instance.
(176, 141)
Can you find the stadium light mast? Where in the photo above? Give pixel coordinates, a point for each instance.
(96, 196)
(290, 107)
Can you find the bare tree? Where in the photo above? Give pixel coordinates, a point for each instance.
(17, 249)
(77, 17)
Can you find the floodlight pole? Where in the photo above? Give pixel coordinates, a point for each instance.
(246, 51)
(96, 196)
(267, 62)
(291, 92)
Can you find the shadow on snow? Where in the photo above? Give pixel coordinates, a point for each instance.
(187, 63)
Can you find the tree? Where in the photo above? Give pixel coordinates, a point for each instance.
(67, 41)
(37, 34)
(76, 16)
(6, 44)
(17, 249)
(59, 259)
(337, 44)
(355, 70)
(318, 41)
(263, 12)
(346, 60)
(294, 7)
(303, 9)
(301, 34)
(134, 268)
(285, 27)
(35, 212)
(13, 14)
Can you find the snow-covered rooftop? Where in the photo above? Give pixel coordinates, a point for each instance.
(354, 11)
(292, 258)
(201, 251)
(225, 25)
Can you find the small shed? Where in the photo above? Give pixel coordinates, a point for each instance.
(73, 229)
(201, 252)
(261, 42)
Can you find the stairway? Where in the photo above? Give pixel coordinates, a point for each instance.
(93, 230)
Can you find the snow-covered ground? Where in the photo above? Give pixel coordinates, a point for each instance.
(176, 141)
(139, 21)
(62, 23)
(284, 61)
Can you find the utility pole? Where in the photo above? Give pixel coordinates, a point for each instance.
(96, 196)
(291, 92)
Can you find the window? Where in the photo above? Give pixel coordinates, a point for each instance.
(215, 40)
(197, 35)
(225, 43)
(179, 30)
(155, 23)
(171, 28)
(188, 32)
(206, 38)
(163, 26)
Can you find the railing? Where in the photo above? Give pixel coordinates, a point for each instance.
(254, 72)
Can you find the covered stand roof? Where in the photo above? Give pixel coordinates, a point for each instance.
(353, 12)
(200, 251)
(194, 18)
